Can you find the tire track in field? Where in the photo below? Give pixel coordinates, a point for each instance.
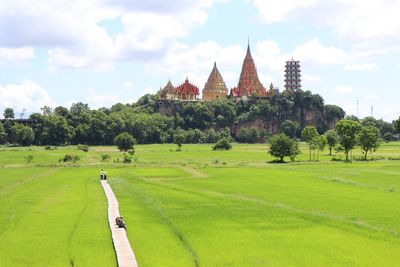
(283, 206)
(151, 204)
(194, 172)
(76, 225)
(339, 180)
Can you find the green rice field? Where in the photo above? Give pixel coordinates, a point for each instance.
(200, 207)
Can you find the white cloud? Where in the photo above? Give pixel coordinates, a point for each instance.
(361, 66)
(197, 61)
(275, 11)
(16, 54)
(311, 78)
(316, 53)
(370, 28)
(351, 18)
(96, 100)
(27, 95)
(344, 90)
(73, 33)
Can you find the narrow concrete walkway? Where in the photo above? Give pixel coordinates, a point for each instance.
(123, 249)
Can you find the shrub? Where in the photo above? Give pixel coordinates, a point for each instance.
(105, 157)
(222, 144)
(127, 158)
(68, 158)
(124, 141)
(29, 159)
(48, 147)
(84, 148)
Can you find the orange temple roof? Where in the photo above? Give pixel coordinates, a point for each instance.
(187, 88)
(249, 83)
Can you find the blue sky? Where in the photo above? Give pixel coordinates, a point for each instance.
(56, 52)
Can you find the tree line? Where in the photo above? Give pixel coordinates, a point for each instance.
(150, 120)
(347, 135)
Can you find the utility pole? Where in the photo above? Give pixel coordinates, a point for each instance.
(357, 109)
(372, 111)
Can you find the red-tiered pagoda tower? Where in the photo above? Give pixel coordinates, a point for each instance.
(187, 91)
(249, 83)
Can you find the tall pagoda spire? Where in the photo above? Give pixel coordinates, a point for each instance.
(215, 87)
(249, 83)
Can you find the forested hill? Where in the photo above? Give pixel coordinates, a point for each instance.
(302, 108)
(151, 120)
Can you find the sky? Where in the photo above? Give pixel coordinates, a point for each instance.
(101, 52)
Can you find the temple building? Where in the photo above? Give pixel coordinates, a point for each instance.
(168, 92)
(215, 87)
(187, 91)
(292, 75)
(249, 83)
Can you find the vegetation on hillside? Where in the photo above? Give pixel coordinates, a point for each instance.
(152, 121)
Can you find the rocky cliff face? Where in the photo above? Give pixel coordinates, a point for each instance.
(263, 113)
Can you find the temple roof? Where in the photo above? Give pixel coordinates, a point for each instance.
(168, 89)
(187, 88)
(249, 81)
(215, 82)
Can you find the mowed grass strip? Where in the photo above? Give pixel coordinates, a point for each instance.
(56, 218)
(282, 215)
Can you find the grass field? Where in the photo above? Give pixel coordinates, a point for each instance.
(200, 208)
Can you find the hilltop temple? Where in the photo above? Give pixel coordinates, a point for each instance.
(215, 87)
(249, 84)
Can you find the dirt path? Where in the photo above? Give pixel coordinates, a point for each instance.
(123, 249)
(195, 173)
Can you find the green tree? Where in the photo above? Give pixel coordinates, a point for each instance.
(369, 139)
(62, 111)
(9, 113)
(46, 110)
(332, 139)
(222, 144)
(3, 135)
(397, 125)
(348, 131)
(321, 144)
(79, 108)
(249, 135)
(55, 131)
(179, 138)
(124, 141)
(22, 135)
(282, 146)
(388, 137)
(289, 128)
(309, 135)
(210, 136)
